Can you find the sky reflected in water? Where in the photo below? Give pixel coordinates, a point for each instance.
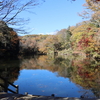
(44, 82)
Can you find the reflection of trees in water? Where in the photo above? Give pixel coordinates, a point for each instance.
(9, 69)
(83, 72)
(64, 66)
(59, 65)
(86, 73)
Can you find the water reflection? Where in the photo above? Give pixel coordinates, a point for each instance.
(9, 70)
(59, 65)
(86, 73)
(83, 72)
(68, 75)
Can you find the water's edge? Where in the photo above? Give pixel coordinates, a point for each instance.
(9, 96)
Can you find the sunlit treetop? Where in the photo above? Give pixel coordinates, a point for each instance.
(90, 0)
(93, 5)
(95, 0)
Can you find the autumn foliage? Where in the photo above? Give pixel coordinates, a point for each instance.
(9, 42)
(83, 37)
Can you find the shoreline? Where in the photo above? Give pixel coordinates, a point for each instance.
(10, 96)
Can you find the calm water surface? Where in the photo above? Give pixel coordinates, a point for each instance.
(46, 75)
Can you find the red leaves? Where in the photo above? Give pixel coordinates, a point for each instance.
(97, 0)
(89, 29)
(83, 73)
(84, 42)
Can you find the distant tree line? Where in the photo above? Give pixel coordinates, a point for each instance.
(83, 37)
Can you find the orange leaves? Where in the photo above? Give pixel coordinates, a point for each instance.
(33, 43)
(96, 1)
(84, 37)
(14, 38)
(86, 41)
(9, 41)
(94, 5)
(48, 43)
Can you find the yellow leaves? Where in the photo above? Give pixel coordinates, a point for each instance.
(96, 48)
(95, 6)
(83, 37)
(96, 70)
(96, 15)
(92, 11)
(76, 36)
(48, 43)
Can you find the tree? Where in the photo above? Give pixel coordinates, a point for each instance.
(9, 42)
(93, 5)
(95, 1)
(28, 45)
(92, 11)
(95, 19)
(10, 9)
(51, 43)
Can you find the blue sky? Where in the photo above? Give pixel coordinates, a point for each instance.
(54, 15)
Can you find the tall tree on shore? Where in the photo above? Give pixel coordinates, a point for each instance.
(92, 11)
(93, 4)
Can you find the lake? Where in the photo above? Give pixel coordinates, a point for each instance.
(46, 75)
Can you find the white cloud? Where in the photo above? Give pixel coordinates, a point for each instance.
(48, 33)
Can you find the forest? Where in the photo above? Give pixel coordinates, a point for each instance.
(83, 38)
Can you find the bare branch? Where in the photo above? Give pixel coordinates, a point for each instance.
(10, 9)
